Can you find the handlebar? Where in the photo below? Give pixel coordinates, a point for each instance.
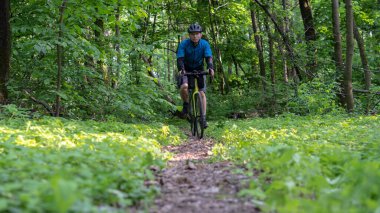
(196, 73)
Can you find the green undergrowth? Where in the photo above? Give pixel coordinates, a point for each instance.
(311, 163)
(58, 165)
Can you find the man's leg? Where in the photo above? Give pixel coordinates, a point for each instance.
(184, 92)
(204, 107)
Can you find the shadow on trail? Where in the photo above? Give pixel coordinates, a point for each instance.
(190, 183)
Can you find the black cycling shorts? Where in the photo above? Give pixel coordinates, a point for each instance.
(190, 80)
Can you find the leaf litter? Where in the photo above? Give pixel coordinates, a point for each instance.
(192, 183)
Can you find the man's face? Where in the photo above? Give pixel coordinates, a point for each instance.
(195, 36)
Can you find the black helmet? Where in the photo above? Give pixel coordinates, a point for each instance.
(194, 28)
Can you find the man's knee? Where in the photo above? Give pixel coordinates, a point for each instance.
(184, 86)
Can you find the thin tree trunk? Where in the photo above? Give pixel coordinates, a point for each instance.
(285, 39)
(99, 32)
(338, 50)
(217, 50)
(271, 58)
(349, 55)
(285, 28)
(5, 49)
(235, 64)
(59, 59)
(168, 57)
(259, 47)
(168, 50)
(310, 35)
(117, 47)
(363, 57)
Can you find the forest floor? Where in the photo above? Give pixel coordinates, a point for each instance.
(192, 183)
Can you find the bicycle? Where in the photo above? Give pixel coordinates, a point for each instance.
(196, 103)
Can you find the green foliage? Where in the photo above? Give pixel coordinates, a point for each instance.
(315, 97)
(57, 165)
(105, 73)
(12, 111)
(313, 163)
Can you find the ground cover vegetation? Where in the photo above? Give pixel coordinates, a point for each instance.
(319, 163)
(58, 165)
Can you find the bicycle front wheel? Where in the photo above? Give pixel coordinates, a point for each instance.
(198, 120)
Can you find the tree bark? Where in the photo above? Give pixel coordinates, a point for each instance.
(259, 47)
(168, 54)
(59, 58)
(363, 57)
(5, 49)
(307, 17)
(115, 78)
(99, 33)
(349, 55)
(219, 67)
(310, 35)
(271, 59)
(285, 28)
(338, 50)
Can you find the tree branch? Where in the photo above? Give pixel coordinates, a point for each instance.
(284, 37)
(365, 91)
(44, 104)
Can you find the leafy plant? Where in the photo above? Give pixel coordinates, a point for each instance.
(316, 163)
(58, 165)
(12, 111)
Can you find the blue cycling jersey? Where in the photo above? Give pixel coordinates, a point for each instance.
(194, 55)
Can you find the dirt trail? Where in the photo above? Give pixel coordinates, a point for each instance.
(190, 183)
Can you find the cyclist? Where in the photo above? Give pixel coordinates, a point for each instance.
(190, 57)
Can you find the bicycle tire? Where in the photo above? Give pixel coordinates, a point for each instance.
(193, 121)
(198, 121)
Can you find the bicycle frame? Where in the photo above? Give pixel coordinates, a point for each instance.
(194, 95)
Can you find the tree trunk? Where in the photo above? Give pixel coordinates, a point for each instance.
(115, 78)
(59, 59)
(259, 47)
(285, 28)
(271, 59)
(235, 64)
(286, 41)
(310, 35)
(99, 32)
(307, 17)
(349, 55)
(363, 57)
(5, 49)
(338, 50)
(168, 59)
(217, 52)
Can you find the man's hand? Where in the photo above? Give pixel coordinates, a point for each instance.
(211, 72)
